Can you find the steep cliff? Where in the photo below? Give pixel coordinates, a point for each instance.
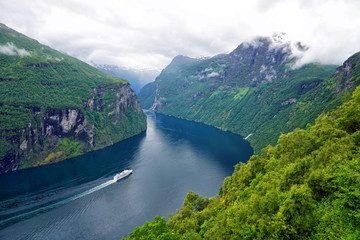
(54, 107)
(255, 90)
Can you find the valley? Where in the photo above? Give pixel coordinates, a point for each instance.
(236, 120)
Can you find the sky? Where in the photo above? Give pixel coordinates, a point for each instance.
(148, 34)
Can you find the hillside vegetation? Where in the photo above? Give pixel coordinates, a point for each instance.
(252, 90)
(305, 187)
(53, 106)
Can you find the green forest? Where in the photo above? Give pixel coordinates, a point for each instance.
(252, 90)
(305, 187)
(38, 83)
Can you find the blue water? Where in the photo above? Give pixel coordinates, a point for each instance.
(77, 199)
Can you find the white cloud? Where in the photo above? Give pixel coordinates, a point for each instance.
(212, 74)
(150, 33)
(12, 50)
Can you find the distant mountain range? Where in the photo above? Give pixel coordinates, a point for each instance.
(137, 77)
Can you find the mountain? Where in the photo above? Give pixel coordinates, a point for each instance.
(305, 187)
(53, 106)
(255, 90)
(137, 77)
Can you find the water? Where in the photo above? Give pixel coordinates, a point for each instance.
(77, 199)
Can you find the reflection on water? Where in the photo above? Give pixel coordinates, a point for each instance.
(171, 158)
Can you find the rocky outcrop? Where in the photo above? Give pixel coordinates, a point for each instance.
(257, 88)
(310, 85)
(343, 74)
(289, 101)
(53, 106)
(264, 60)
(197, 95)
(48, 128)
(249, 65)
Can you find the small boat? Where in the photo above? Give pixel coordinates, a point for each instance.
(121, 175)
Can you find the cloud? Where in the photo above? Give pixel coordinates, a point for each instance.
(148, 34)
(12, 50)
(213, 74)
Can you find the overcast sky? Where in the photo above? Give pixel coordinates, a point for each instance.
(148, 34)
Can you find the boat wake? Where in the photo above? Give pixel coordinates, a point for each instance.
(54, 205)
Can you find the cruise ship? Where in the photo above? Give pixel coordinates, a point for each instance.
(121, 175)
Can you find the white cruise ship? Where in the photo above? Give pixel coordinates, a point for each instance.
(121, 175)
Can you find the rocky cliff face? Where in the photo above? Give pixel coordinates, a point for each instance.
(264, 61)
(249, 65)
(53, 106)
(42, 140)
(254, 89)
(347, 75)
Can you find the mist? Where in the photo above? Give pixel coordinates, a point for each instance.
(142, 34)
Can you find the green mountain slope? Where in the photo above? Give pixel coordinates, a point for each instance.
(306, 187)
(252, 90)
(53, 106)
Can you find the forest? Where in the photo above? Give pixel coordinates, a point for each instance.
(252, 90)
(38, 86)
(307, 186)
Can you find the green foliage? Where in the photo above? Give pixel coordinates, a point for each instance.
(4, 147)
(38, 80)
(12, 118)
(45, 78)
(147, 95)
(109, 97)
(242, 93)
(305, 187)
(69, 148)
(232, 93)
(156, 229)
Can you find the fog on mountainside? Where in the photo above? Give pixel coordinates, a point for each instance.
(137, 77)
